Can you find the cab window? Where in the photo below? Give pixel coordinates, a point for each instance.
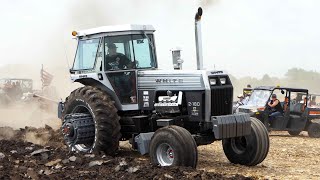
(86, 54)
(118, 53)
(129, 52)
(143, 51)
(281, 94)
(298, 97)
(298, 102)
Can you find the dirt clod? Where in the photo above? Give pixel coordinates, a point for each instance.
(52, 163)
(72, 158)
(39, 151)
(65, 161)
(2, 156)
(95, 163)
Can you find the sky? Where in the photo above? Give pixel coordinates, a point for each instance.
(243, 37)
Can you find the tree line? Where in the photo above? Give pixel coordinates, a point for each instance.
(295, 78)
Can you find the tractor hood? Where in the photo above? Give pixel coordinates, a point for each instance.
(182, 79)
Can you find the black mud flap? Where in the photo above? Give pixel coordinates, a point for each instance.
(229, 126)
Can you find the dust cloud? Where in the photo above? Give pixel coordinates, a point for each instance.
(19, 115)
(7, 133)
(41, 136)
(235, 35)
(37, 138)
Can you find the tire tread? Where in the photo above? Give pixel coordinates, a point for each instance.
(106, 117)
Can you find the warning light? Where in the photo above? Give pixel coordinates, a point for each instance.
(74, 33)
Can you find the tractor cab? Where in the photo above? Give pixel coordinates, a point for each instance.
(111, 56)
(297, 114)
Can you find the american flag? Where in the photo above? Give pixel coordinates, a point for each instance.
(46, 77)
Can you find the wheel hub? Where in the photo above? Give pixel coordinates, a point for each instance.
(239, 144)
(68, 130)
(79, 131)
(165, 154)
(170, 153)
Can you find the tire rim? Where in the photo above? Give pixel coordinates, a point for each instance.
(239, 144)
(83, 147)
(165, 154)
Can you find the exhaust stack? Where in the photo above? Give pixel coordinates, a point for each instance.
(198, 39)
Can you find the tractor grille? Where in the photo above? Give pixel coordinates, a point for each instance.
(221, 99)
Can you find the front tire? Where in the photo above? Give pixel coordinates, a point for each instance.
(90, 121)
(248, 150)
(314, 130)
(173, 146)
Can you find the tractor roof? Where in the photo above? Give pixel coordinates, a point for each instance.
(271, 88)
(116, 28)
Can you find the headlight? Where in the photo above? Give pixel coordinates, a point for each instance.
(223, 81)
(213, 82)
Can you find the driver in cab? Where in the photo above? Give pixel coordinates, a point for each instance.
(122, 82)
(276, 108)
(115, 60)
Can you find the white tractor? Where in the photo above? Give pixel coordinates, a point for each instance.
(166, 113)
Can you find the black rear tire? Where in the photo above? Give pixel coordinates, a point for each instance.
(96, 103)
(173, 146)
(294, 133)
(314, 130)
(248, 150)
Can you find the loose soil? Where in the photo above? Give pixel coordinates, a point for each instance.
(19, 160)
(289, 158)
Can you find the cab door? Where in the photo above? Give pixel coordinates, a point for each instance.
(120, 69)
(124, 84)
(135, 52)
